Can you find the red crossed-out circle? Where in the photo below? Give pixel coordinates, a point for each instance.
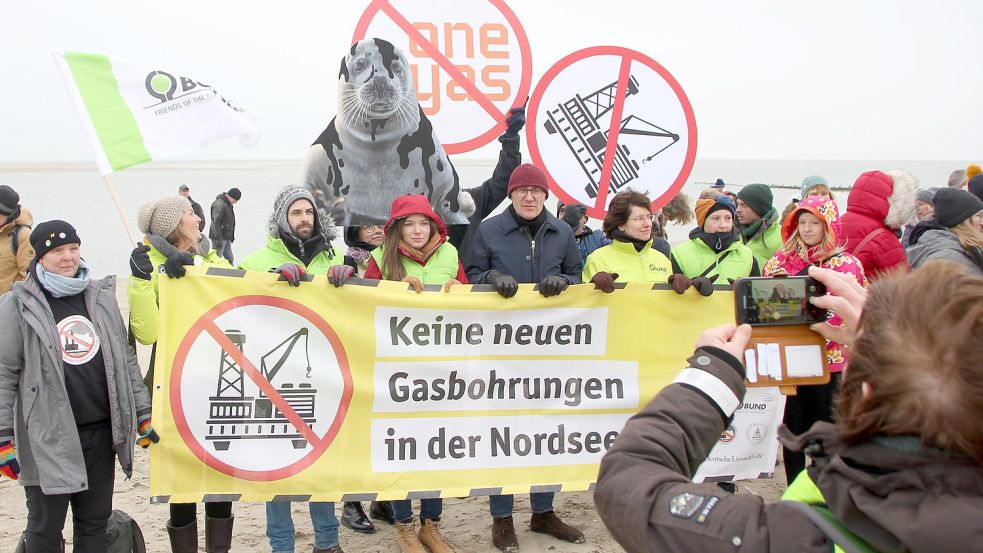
(497, 117)
(627, 56)
(206, 324)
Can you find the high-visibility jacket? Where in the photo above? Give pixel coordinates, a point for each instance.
(804, 490)
(696, 256)
(648, 265)
(441, 267)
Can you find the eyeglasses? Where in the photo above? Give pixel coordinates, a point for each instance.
(373, 228)
(643, 218)
(534, 191)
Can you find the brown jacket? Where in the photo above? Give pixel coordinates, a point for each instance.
(13, 268)
(646, 499)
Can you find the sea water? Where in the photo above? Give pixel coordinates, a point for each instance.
(76, 193)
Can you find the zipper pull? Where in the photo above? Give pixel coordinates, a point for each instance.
(533, 250)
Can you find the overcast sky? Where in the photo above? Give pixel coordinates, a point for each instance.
(843, 79)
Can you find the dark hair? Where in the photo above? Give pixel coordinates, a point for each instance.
(919, 348)
(392, 266)
(619, 210)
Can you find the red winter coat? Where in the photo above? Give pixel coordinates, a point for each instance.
(878, 201)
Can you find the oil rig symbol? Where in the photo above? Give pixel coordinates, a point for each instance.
(577, 121)
(235, 416)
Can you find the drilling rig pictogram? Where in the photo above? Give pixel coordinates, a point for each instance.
(577, 121)
(235, 416)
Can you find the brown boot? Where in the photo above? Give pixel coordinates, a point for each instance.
(184, 539)
(431, 537)
(549, 523)
(503, 535)
(218, 534)
(407, 539)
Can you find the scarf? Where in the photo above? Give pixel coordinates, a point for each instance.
(423, 254)
(167, 249)
(532, 225)
(717, 241)
(359, 255)
(62, 286)
(622, 237)
(305, 250)
(765, 222)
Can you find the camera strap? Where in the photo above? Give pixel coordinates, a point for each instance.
(715, 264)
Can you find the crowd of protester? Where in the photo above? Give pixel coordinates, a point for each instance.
(99, 401)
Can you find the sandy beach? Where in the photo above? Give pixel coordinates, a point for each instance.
(465, 521)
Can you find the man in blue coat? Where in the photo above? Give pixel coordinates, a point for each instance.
(526, 244)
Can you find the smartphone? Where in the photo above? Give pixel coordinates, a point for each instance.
(764, 301)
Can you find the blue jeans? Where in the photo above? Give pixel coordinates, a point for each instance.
(280, 526)
(224, 249)
(429, 508)
(501, 505)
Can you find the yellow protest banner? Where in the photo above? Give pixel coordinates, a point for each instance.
(264, 391)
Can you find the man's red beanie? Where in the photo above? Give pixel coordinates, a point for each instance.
(528, 175)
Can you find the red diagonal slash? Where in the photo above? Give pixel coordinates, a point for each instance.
(445, 64)
(250, 370)
(75, 338)
(611, 150)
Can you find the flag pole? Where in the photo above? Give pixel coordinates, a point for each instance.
(119, 208)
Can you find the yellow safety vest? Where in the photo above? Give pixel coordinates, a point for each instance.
(695, 256)
(648, 265)
(441, 267)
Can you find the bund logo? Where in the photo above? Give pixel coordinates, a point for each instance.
(166, 87)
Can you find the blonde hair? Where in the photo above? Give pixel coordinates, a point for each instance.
(710, 194)
(968, 234)
(183, 239)
(822, 189)
(795, 245)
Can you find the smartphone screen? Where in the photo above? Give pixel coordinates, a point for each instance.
(778, 301)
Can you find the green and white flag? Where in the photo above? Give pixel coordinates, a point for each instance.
(134, 113)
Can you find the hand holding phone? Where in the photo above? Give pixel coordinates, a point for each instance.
(774, 301)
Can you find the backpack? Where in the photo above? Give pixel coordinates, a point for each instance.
(123, 535)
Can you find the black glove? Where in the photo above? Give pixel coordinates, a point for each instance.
(503, 283)
(679, 283)
(573, 214)
(174, 266)
(604, 281)
(704, 285)
(516, 120)
(292, 272)
(553, 285)
(140, 265)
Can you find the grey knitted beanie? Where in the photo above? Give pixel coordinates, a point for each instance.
(163, 215)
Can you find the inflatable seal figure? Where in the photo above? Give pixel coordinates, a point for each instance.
(380, 145)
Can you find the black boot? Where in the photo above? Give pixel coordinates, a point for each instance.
(382, 510)
(353, 518)
(184, 539)
(218, 534)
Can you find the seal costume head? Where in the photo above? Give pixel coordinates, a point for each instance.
(380, 144)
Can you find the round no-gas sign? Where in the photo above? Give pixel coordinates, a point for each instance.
(256, 404)
(607, 118)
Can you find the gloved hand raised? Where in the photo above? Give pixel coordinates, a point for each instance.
(415, 282)
(292, 272)
(516, 120)
(9, 466)
(339, 274)
(553, 285)
(704, 285)
(174, 266)
(679, 283)
(504, 284)
(146, 434)
(604, 281)
(140, 265)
